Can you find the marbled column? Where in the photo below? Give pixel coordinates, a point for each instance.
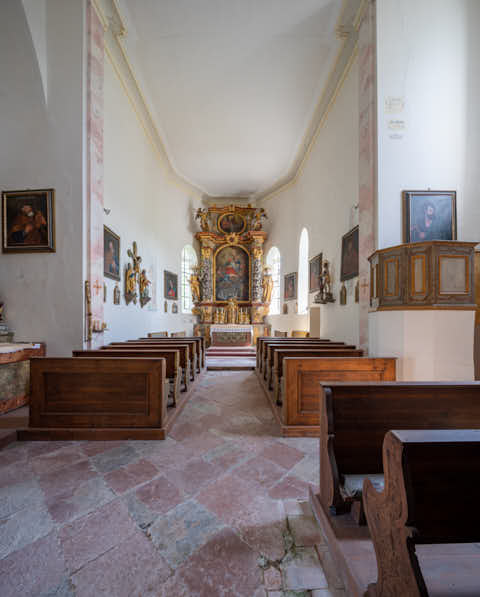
(206, 275)
(367, 159)
(257, 273)
(94, 143)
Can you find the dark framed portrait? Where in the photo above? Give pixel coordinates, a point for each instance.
(170, 281)
(290, 287)
(349, 261)
(111, 254)
(28, 221)
(231, 222)
(429, 215)
(314, 273)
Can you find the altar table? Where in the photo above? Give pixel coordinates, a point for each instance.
(231, 335)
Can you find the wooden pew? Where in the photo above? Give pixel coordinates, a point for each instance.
(194, 349)
(262, 340)
(182, 348)
(300, 411)
(173, 371)
(272, 348)
(430, 497)
(90, 398)
(356, 416)
(201, 347)
(158, 335)
(279, 354)
(263, 349)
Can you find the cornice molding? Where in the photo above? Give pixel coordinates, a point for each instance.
(114, 33)
(346, 29)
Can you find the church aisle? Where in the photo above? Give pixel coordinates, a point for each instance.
(204, 513)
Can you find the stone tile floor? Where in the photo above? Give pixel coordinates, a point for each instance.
(218, 509)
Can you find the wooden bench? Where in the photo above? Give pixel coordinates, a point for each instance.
(194, 349)
(300, 412)
(200, 346)
(139, 346)
(356, 416)
(158, 335)
(265, 340)
(263, 349)
(272, 348)
(279, 354)
(173, 371)
(90, 398)
(430, 497)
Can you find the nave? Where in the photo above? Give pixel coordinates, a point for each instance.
(219, 508)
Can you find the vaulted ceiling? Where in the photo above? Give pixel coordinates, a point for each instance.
(233, 83)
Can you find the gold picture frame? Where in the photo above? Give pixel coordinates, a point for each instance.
(28, 221)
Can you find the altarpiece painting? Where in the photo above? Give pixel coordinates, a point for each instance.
(232, 274)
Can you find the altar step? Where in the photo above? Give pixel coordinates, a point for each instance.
(220, 358)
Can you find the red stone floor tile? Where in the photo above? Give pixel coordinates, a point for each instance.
(285, 456)
(92, 535)
(159, 495)
(224, 566)
(262, 471)
(289, 487)
(134, 568)
(66, 479)
(97, 447)
(196, 473)
(125, 478)
(33, 570)
(51, 461)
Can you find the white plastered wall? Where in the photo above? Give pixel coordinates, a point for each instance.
(428, 62)
(146, 207)
(428, 54)
(322, 199)
(41, 147)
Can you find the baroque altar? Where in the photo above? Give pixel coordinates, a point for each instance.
(231, 286)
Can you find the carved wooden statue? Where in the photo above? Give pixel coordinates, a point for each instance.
(257, 219)
(195, 286)
(202, 215)
(267, 285)
(232, 310)
(144, 282)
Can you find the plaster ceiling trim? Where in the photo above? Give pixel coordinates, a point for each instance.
(347, 30)
(114, 30)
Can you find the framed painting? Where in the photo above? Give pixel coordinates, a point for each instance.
(429, 215)
(111, 254)
(232, 274)
(231, 222)
(290, 287)
(349, 261)
(28, 221)
(170, 281)
(314, 273)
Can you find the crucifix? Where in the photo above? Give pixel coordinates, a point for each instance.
(136, 259)
(97, 286)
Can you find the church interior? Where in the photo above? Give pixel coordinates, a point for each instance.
(240, 298)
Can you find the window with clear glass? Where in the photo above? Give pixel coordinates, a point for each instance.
(189, 261)
(303, 272)
(274, 263)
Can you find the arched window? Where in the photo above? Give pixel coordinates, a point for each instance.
(273, 262)
(303, 272)
(189, 261)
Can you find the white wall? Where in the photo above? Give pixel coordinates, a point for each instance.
(428, 54)
(322, 199)
(41, 147)
(146, 208)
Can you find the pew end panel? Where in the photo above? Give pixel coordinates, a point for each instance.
(302, 378)
(97, 393)
(430, 497)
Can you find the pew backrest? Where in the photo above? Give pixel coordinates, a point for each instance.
(93, 392)
(282, 353)
(356, 416)
(171, 356)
